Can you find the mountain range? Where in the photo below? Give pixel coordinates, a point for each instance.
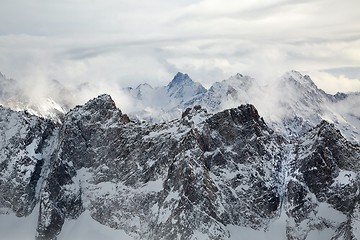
(291, 104)
(195, 163)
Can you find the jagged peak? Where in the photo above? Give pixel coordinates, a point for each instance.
(103, 101)
(180, 78)
(99, 110)
(324, 127)
(239, 75)
(240, 80)
(244, 113)
(340, 96)
(325, 131)
(250, 110)
(193, 111)
(102, 97)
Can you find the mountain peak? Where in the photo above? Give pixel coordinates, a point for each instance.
(297, 77)
(239, 75)
(180, 78)
(103, 101)
(99, 110)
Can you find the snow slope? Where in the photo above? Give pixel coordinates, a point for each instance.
(85, 227)
(13, 227)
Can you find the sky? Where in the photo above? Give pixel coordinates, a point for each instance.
(120, 43)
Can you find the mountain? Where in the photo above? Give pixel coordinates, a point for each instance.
(164, 103)
(229, 93)
(223, 175)
(292, 104)
(322, 178)
(303, 105)
(182, 87)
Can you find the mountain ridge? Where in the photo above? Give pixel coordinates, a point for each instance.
(201, 176)
(292, 104)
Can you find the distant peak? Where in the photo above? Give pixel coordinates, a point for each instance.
(294, 72)
(240, 81)
(297, 77)
(180, 74)
(180, 78)
(239, 75)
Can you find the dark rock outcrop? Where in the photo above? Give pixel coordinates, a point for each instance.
(195, 175)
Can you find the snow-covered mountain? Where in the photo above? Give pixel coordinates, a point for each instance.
(239, 160)
(164, 103)
(224, 175)
(292, 104)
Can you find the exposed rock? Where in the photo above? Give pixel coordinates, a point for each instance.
(195, 175)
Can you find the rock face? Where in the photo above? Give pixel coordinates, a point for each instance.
(25, 146)
(190, 178)
(323, 175)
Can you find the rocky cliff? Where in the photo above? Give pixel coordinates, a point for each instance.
(197, 177)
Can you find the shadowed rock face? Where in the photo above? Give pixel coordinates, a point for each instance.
(325, 171)
(167, 181)
(23, 150)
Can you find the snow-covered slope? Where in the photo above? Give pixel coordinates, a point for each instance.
(300, 105)
(224, 175)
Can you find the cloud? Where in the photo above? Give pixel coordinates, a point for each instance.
(349, 72)
(124, 43)
(333, 84)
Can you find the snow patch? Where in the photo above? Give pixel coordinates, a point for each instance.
(85, 227)
(14, 228)
(345, 177)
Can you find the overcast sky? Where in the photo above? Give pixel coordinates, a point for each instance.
(126, 42)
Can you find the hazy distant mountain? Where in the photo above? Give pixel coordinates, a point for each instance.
(292, 104)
